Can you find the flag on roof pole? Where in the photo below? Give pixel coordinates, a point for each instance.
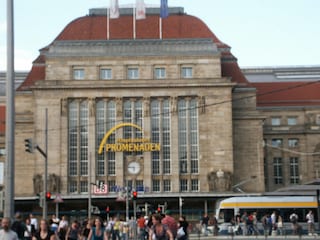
(164, 11)
(140, 9)
(114, 9)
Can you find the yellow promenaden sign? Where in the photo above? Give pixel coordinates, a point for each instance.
(127, 145)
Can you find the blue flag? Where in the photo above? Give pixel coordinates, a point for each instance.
(164, 11)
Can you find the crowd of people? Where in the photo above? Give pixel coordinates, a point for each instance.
(154, 227)
(272, 224)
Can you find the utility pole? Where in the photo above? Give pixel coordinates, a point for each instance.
(10, 116)
(45, 182)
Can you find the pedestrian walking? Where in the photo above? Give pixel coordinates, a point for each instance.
(98, 232)
(204, 224)
(6, 233)
(310, 221)
(170, 222)
(280, 225)
(19, 226)
(182, 233)
(159, 231)
(44, 232)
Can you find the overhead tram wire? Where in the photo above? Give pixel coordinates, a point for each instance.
(292, 151)
(200, 106)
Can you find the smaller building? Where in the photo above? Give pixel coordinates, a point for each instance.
(289, 99)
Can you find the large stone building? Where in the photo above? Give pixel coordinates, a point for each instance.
(107, 92)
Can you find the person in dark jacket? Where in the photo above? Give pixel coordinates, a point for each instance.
(182, 233)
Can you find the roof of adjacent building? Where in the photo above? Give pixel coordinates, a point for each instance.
(285, 85)
(280, 94)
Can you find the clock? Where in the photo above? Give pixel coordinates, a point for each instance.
(134, 167)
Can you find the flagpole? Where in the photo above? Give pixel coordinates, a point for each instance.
(108, 23)
(134, 21)
(160, 27)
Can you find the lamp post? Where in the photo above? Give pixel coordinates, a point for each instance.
(10, 116)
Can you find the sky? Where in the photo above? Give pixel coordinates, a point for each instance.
(261, 33)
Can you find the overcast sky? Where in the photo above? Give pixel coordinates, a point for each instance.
(260, 32)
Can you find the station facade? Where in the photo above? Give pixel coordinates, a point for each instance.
(168, 114)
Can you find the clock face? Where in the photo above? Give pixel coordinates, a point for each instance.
(134, 167)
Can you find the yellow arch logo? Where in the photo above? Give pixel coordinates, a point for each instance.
(107, 135)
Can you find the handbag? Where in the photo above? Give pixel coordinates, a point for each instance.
(180, 232)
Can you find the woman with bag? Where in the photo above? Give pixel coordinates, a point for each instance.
(182, 233)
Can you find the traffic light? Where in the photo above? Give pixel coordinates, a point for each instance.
(107, 210)
(48, 196)
(28, 144)
(159, 210)
(181, 201)
(134, 195)
(41, 199)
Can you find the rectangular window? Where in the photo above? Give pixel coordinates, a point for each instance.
(293, 142)
(112, 186)
(78, 73)
(133, 73)
(277, 170)
(166, 185)
(105, 73)
(318, 119)
(194, 185)
(188, 142)
(294, 170)
(78, 120)
(83, 186)
(186, 72)
(183, 185)
(139, 185)
(159, 73)
(292, 121)
(105, 120)
(156, 185)
(275, 121)
(161, 133)
(73, 187)
(276, 142)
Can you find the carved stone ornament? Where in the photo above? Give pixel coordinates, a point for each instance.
(54, 183)
(37, 183)
(219, 181)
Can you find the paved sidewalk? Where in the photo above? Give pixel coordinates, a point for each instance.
(288, 237)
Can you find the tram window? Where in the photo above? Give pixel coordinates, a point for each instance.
(225, 215)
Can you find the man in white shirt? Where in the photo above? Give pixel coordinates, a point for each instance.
(33, 221)
(6, 233)
(310, 220)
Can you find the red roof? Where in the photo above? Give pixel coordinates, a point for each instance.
(37, 72)
(288, 93)
(173, 27)
(180, 26)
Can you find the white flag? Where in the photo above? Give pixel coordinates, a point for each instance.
(114, 9)
(140, 10)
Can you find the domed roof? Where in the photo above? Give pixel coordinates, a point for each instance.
(177, 26)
